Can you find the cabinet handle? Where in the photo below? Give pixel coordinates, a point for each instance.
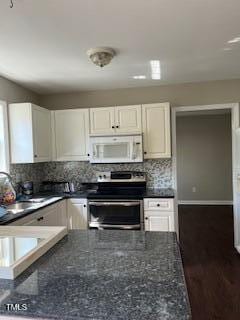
(113, 127)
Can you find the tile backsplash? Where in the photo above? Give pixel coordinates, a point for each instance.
(27, 172)
(159, 171)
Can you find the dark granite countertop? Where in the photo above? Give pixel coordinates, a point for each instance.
(103, 275)
(150, 193)
(11, 217)
(159, 193)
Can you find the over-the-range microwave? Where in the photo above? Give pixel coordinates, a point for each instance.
(116, 149)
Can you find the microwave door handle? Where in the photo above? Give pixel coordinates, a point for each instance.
(94, 150)
(134, 151)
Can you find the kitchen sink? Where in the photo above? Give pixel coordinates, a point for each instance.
(20, 207)
(36, 203)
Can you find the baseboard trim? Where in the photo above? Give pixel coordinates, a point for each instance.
(206, 202)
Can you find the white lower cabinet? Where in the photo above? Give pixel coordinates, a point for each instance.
(77, 214)
(53, 215)
(159, 214)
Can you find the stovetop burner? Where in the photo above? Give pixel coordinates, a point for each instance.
(115, 187)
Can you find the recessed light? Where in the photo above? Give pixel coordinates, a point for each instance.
(234, 40)
(139, 77)
(156, 69)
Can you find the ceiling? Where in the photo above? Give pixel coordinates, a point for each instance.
(43, 43)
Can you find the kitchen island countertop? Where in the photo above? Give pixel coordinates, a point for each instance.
(99, 275)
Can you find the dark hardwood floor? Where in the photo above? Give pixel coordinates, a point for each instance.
(211, 264)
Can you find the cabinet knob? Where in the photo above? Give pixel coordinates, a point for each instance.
(158, 205)
(88, 154)
(145, 152)
(146, 218)
(84, 206)
(35, 156)
(113, 127)
(117, 127)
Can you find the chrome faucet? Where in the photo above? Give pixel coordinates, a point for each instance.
(6, 174)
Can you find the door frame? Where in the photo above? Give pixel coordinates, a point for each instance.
(234, 107)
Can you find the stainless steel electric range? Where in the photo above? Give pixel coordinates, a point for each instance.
(118, 203)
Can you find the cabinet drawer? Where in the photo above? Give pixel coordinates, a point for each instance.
(158, 204)
(78, 201)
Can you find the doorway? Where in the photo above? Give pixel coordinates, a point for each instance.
(205, 159)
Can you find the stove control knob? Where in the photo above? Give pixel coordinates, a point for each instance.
(104, 176)
(100, 177)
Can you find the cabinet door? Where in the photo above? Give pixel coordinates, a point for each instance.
(54, 215)
(41, 133)
(128, 119)
(77, 214)
(159, 221)
(156, 129)
(102, 120)
(71, 134)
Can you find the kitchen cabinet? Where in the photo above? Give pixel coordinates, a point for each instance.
(30, 133)
(70, 134)
(156, 130)
(52, 215)
(102, 120)
(128, 119)
(159, 214)
(77, 214)
(116, 120)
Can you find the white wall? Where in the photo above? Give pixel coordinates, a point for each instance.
(204, 157)
(12, 92)
(185, 94)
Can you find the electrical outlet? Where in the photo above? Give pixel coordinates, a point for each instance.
(194, 189)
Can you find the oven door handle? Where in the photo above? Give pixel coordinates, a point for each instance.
(107, 204)
(117, 226)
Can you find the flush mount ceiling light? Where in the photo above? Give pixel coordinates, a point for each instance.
(101, 56)
(155, 69)
(234, 40)
(140, 77)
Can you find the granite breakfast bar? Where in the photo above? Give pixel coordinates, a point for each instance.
(100, 275)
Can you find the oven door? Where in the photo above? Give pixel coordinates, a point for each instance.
(109, 214)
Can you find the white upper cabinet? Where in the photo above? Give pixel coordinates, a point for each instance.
(102, 120)
(156, 130)
(70, 134)
(30, 133)
(116, 120)
(128, 119)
